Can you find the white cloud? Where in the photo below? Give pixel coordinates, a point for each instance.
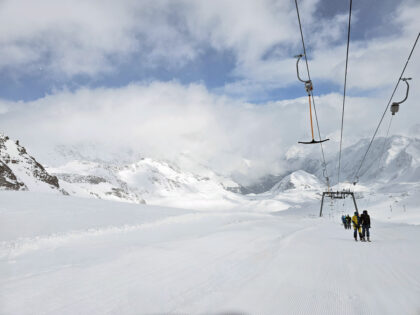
(79, 37)
(166, 120)
(95, 37)
(161, 120)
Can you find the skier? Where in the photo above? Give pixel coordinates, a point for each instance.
(365, 222)
(348, 220)
(356, 225)
(343, 219)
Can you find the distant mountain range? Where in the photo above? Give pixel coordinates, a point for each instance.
(147, 180)
(395, 159)
(159, 182)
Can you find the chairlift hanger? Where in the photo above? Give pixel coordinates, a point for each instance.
(356, 180)
(327, 179)
(308, 83)
(308, 88)
(396, 105)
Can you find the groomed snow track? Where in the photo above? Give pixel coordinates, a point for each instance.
(114, 258)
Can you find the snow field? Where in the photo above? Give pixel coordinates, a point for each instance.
(65, 255)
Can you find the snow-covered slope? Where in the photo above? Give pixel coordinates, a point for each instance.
(395, 160)
(392, 160)
(20, 171)
(300, 180)
(265, 253)
(94, 179)
(147, 180)
(159, 181)
(67, 255)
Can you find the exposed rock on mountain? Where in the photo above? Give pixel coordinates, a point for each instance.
(94, 179)
(20, 171)
(147, 180)
(8, 180)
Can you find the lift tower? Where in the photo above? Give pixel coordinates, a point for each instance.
(337, 195)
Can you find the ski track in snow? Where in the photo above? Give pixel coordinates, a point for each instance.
(23, 245)
(210, 262)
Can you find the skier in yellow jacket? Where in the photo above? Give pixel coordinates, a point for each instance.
(356, 225)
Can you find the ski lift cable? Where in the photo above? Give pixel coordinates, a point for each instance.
(381, 156)
(356, 175)
(344, 92)
(312, 96)
(324, 165)
(394, 109)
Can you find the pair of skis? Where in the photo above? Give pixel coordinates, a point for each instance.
(363, 240)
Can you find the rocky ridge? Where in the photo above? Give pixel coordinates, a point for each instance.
(21, 171)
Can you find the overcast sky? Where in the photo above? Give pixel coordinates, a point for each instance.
(211, 79)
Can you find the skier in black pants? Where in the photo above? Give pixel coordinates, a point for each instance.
(348, 220)
(365, 222)
(343, 219)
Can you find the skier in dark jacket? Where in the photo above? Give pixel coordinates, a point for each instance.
(365, 222)
(348, 220)
(343, 219)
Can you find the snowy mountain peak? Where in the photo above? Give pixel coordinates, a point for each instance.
(393, 159)
(147, 180)
(389, 160)
(20, 171)
(297, 180)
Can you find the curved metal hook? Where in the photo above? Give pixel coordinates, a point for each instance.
(297, 67)
(406, 93)
(308, 83)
